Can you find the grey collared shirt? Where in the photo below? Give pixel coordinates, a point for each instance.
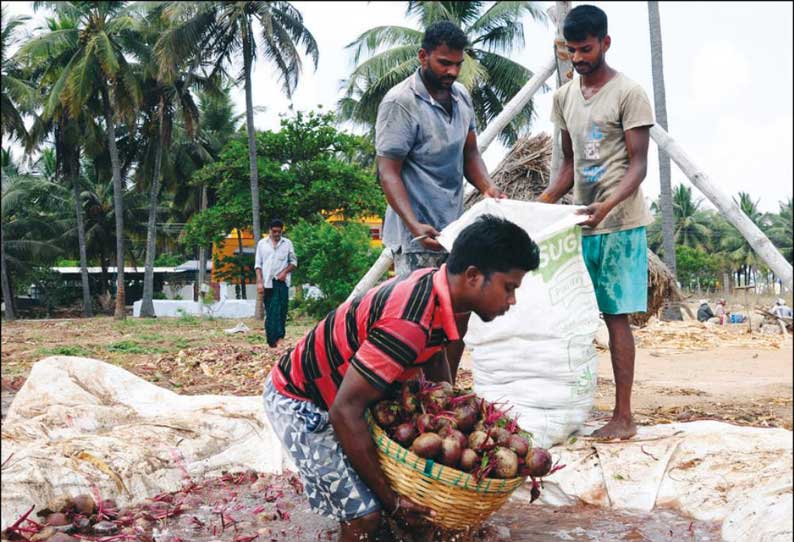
(415, 128)
(273, 260)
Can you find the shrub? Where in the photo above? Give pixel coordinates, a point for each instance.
(333, 257)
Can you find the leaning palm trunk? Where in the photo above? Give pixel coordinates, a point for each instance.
(88, 310)
(7, 297)
(660, 107)
(147, 304)
(759, 242)
(118, 206)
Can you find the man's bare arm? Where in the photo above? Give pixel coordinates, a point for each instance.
(389, 171)
(564, 182)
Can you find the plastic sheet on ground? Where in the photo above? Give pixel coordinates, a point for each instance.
(712, 471)
(80, 425)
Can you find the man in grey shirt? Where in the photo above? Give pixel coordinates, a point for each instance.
(426, 142)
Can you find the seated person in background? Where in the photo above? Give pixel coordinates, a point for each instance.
(780, 309)
(720, 312)
(704, 311)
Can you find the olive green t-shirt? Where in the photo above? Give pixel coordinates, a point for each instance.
(600, 156)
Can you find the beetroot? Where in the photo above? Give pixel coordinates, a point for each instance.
(57, 519)
(500, 436)
(386, 413)
(405, 434)
(450, 452)
(480, 441)
(425, 423)
(456, 434)
(505, 463)
(466, 417)
(84, 504)
(427, 445)
(409, 402)
(538, 462)
(479, 425)
(445, 422)
(469, 460)
(518, 444)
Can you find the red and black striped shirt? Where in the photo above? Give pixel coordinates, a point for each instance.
(385, 334)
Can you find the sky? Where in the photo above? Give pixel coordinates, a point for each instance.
(728, 77)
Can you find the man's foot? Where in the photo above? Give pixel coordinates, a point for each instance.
(617, 428)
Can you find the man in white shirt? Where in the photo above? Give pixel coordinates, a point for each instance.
(274, 262)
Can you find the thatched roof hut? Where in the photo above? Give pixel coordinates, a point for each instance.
(524, 173)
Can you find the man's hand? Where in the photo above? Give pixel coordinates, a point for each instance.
(493, 192)
(260, 287)
(410, 513)
(597, 211)
(428, 242)
(281, 277)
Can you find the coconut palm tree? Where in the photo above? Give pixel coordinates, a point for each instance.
(781, 229)
(222, 30)
(491, 78)
(163, 98)
(70, 135)
(15, 90)
(690, 222)
(739, 251)
(107, 35)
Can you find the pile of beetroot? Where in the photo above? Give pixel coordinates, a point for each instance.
(461, 431)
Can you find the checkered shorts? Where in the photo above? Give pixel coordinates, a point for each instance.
(331, 483)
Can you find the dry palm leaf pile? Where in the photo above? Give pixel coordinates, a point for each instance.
(524, 173)
(693, 336)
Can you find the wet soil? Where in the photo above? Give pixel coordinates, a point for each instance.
(243, 507)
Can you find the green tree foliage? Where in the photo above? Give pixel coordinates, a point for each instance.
(695, 268)
(333, 257)
(311, 170)
(780, 229)
(494, 30)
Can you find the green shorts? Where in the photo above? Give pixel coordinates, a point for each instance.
(618, 266)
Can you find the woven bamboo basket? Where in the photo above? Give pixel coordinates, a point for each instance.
(460, 502)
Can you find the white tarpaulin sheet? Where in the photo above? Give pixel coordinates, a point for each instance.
(78, 423)
(539, 357)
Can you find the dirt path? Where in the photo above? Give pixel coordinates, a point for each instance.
(722, 383)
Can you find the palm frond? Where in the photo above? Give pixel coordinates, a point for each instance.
(384, 36)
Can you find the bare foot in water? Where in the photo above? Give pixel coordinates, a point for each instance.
(617, 428)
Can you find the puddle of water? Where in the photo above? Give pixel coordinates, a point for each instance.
(269, 508)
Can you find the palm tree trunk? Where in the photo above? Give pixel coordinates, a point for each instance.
(74, 172)
(202, 270)
(665, 192)
(118, 207)
(564, 74)
(8, 298)
(757, 239)
(249, 119)
(243, 295)
(147, 303)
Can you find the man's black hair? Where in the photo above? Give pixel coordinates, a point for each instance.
(444, 32)
(583, 21)
(493, 244)
(276, 223)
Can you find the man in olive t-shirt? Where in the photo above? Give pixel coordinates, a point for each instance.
(604, 119)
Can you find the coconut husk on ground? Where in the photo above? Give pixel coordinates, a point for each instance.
(524, 173)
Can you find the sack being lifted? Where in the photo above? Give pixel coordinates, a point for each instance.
(539, 356)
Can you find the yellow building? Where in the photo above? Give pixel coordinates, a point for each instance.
(230, 246)
(375, 224)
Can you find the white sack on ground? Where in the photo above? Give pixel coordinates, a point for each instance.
(78, 423)
(539, 356)
(711, 471)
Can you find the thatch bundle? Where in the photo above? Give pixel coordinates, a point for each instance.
(524, 173)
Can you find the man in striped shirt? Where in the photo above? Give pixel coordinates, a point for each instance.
(317, 395)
